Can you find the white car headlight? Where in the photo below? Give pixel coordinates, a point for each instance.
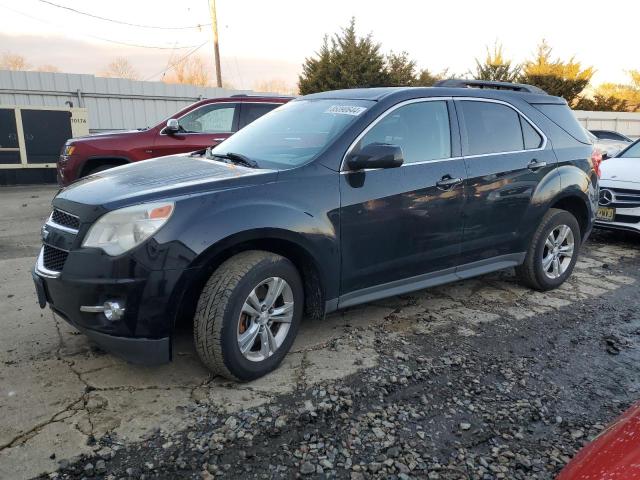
(121, 230)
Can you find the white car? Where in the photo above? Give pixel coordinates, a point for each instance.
(619, 207)
(609, 147)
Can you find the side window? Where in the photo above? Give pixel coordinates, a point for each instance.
(532, 138)
(420, 129)
(216, 118)
(253, 111)
(491, 128)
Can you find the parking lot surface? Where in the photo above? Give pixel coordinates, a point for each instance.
(479, 379)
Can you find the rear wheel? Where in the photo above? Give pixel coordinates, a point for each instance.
(248, 315)
(553, 251)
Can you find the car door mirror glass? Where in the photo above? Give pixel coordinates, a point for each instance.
(375, 155)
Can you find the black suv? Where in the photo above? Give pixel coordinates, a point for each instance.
(332, 200)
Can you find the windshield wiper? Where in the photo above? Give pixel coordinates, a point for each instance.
(236, 158)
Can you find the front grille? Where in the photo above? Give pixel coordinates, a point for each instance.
(624, 198)
(65, 219)
(54, 258)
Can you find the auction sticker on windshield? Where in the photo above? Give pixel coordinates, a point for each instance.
(345, 110)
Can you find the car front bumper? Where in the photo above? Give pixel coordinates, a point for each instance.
(624, 219)
(143, 332)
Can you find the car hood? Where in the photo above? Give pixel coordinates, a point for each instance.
(621, 169)
(160, 178)
(96, 137)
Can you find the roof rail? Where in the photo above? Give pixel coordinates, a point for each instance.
(515, 87)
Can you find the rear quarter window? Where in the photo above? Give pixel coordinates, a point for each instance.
(562, 116)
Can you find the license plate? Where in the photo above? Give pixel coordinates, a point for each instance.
(606, 214)
(40, 292)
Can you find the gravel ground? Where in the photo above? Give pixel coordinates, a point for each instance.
(514, 399)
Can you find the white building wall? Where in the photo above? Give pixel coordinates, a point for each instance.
(624, 122)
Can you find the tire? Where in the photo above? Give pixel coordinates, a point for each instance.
(532, 272)
(220, 317)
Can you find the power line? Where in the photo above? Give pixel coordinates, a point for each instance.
(172, 65)
(122, 22)
(155, 47)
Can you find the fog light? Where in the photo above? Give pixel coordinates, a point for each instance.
(112, 310)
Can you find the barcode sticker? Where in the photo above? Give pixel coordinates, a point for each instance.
(345, 110)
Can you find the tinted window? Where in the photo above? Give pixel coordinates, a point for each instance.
(421, 129)
(607, 135)
(209, 119)
(491, 128)
(253, 111)
(294, 133)
(8, 131)
(532, 138)
(562, 116)
(633, 151)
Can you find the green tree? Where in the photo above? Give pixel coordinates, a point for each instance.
(556, 77)
(496, 67)
(346, 61)
(401, 70)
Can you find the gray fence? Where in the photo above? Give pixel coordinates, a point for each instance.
(112, 103)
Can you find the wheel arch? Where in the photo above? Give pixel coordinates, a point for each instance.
(93, 162)
(281, 242)
(576, 203)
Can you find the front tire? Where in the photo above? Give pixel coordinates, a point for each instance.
(248, 315)
(553, 251)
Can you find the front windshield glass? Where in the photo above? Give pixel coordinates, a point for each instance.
(633, 151)
(295, 133)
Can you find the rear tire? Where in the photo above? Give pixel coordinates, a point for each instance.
(230, 341)
(547, 264)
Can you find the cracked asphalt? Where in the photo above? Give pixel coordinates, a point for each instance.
(441, 383)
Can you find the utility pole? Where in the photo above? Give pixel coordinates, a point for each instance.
(216, 48)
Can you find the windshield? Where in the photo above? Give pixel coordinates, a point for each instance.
(632, 152)
(295, 133)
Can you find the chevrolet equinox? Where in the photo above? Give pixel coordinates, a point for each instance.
(329, 201)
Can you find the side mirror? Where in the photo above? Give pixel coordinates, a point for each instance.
(172, 126)
(376, 155)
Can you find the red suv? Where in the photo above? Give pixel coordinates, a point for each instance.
(200, 125)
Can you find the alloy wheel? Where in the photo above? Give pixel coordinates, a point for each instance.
(265, 319)
(558, 251)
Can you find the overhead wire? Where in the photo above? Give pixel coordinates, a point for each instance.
(122, 22)
(137, 45)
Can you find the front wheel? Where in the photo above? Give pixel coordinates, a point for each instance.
(553, 251)
(248, 315)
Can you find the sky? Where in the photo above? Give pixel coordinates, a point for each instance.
(269, 40)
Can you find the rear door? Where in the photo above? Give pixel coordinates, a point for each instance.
(202, 127)
(506, 159)
(402, 226)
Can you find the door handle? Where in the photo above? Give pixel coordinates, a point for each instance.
(447, 183)
(218, 139)
(535, 165)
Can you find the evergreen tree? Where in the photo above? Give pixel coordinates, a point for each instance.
(496, 67)
(563, 79)
(347, 61)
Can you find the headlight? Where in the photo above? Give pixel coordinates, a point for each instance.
(68, 150)
(121, 230)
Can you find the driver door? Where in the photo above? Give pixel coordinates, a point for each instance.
(401, 228)
(203, 127)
